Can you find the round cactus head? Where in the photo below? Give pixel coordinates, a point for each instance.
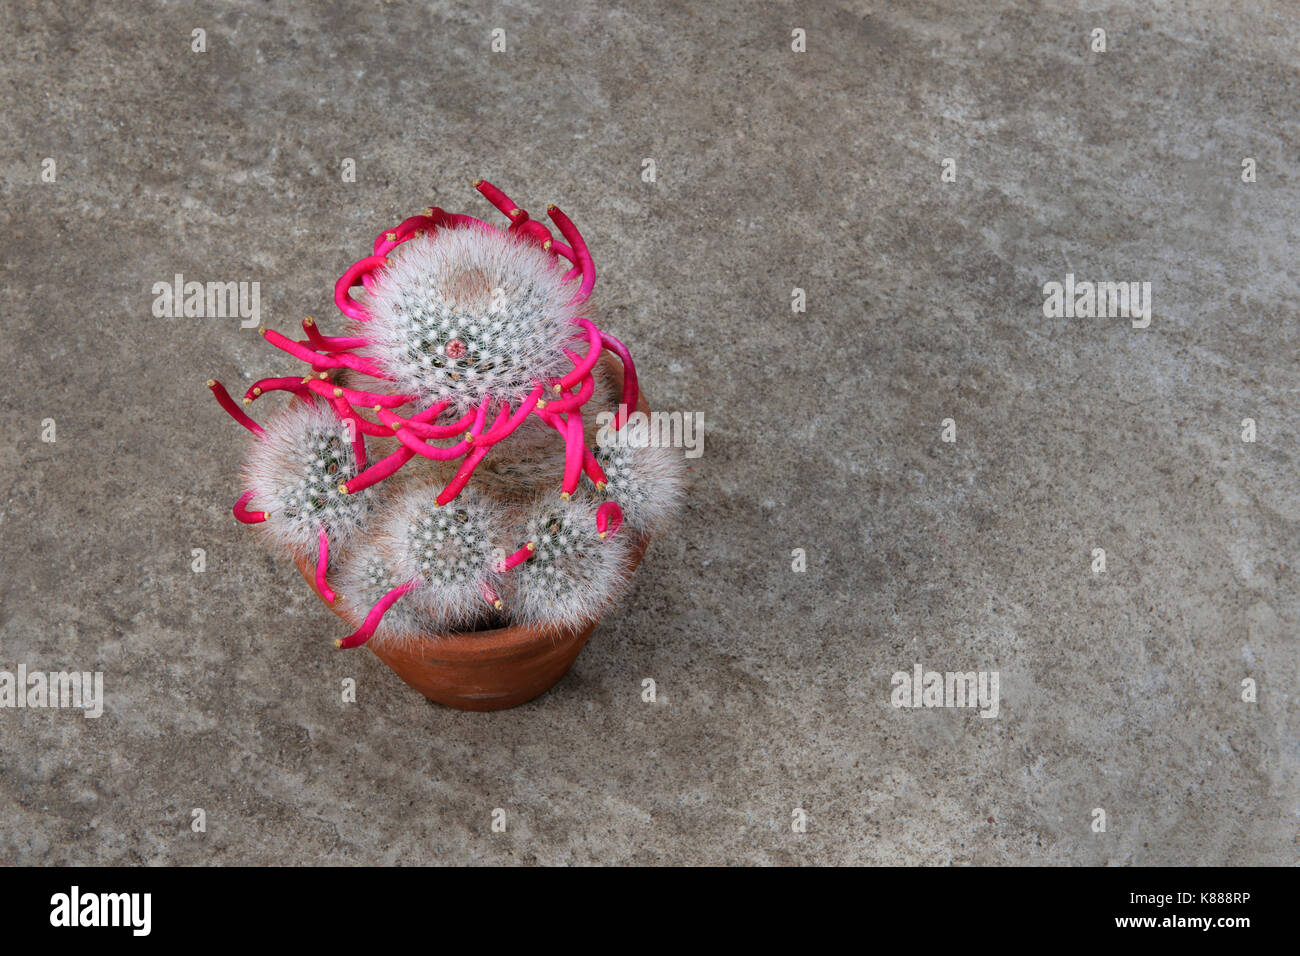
(573, 574)
(293, 471)
(468, 312)
(454, 551)
(364, 579)
(646, 480)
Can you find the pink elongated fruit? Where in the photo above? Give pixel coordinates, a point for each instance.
(322, 564)
(568, 403)
(386, 467)
(244, 515)
(462, 476)
(582, 368)
(573, 448)
(432, 219)
(503, 202)
(319, 361)
(367, 630)
(589, 464)
(609, 518)
(631, 391)
(585, 264)
(423, 430)
(225, 401)
(328, 343)
(342, 289)
(292, 383)
(357, 397)
(418, 447)
(519, 557)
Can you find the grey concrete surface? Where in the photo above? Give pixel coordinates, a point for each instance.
(775, 169)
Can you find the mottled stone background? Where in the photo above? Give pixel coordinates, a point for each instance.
(819, 170)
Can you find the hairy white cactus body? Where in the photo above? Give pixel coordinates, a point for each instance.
(455, 551)
(467, 312)
(294, 469)
(645, 480)
(362, 581)
(573, 574)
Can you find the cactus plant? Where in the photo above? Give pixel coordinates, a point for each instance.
(468, 344)
(445, 563)
(576, 566)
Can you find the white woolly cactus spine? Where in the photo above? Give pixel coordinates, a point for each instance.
(446, 561)
(574, 573)
(364, 579)
(646, 481)
(467, 313)
(293, 471)
(455, 550)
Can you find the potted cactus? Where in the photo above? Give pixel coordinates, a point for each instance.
(453, 474)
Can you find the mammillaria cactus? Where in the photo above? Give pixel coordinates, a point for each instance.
(293, 471)
(577, 567)
(643, 480)
(466, 343)
(444, 562)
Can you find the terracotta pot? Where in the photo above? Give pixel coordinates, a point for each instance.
(486, 670)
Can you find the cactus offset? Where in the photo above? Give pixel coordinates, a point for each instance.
(293, 471)
(645, 480)
(575, 571)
